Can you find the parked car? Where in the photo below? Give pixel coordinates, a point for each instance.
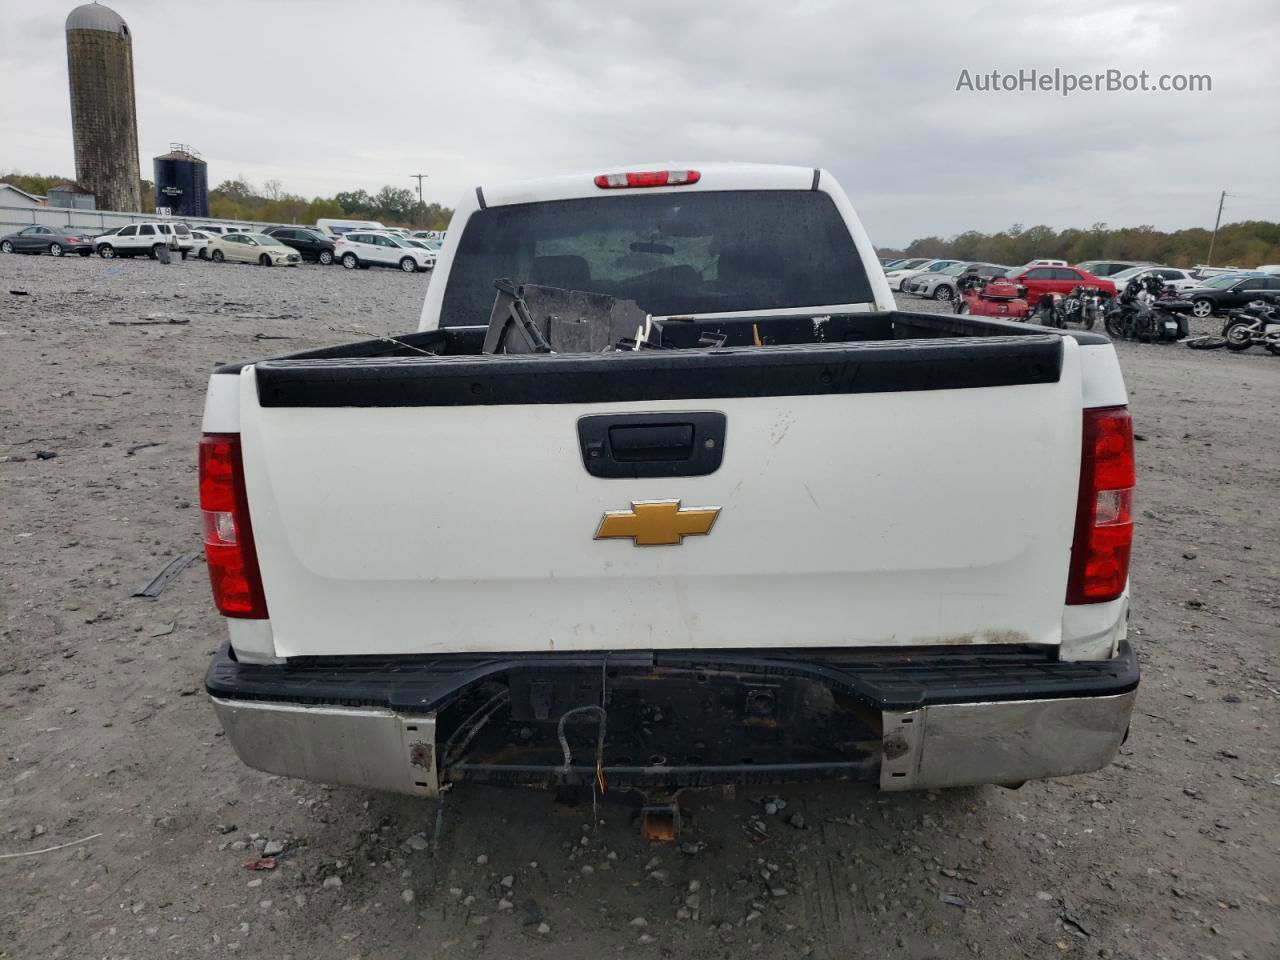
(1044, 263)
(941, 284)
(144, 238)
(1231, 290)
(333, 228)
(254, 248)
(900, 274)
(1204, 273)
(608, 587)
(368, 248)
(222, 230)
(1040, 281)
(1272, 268)
(424, 245)
(1174, 277)
(1109, 268)
(50, 240)
(907, 263)
(311, 245)
(202, 243)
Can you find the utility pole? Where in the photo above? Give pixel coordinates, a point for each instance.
(421, 177)
(1214, 238)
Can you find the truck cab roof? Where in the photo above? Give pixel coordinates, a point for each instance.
(712, 176)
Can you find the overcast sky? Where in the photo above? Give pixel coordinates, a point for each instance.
(326, 96)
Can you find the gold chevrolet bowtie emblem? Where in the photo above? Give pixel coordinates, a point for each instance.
(657, 523)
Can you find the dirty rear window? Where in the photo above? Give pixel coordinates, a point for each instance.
(673, 253)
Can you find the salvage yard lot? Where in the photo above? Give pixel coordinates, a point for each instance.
(105, 729)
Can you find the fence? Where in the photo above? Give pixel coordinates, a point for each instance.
(13, 219)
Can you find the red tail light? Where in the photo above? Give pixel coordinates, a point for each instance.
(228, 538)
(1104, 513)
(649, 178)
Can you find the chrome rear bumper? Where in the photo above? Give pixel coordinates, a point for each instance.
(374, 749)
(924, 725)
(962, 744)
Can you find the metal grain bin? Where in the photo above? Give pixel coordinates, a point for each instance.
(182, 182)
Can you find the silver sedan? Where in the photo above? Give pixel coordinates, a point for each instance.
(941, 285)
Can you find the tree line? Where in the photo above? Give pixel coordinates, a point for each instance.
(238, 199)
(394, 206)
(1246, 244)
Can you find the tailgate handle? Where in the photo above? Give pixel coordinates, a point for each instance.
(652, 444)
(651, 441)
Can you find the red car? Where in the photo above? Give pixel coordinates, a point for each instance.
(1040, 281)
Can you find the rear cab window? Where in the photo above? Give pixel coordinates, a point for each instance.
(706, 252)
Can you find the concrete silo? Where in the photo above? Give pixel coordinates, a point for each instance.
(104, 120)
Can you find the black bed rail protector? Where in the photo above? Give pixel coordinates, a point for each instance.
(450, 340)
(881, 366)
(883, 679)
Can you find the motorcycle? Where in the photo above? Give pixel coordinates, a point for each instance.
(990, 297)
(1258, 323)
(1084, 305)
(1146, 310)
(1049, 312)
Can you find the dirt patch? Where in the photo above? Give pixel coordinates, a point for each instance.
(105, 728)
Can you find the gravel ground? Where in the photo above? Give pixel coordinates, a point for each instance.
(1171, 852)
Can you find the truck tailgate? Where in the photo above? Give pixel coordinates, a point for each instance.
(868, 516)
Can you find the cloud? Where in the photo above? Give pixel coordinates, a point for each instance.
(325, 96)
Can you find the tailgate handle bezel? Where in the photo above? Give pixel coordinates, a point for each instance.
(640, 445)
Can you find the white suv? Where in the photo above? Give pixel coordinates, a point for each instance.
(1176, 278)
(368, 248)
(145, 238)
(432, 249)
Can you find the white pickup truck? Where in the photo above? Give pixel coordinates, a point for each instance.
(665, 493)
